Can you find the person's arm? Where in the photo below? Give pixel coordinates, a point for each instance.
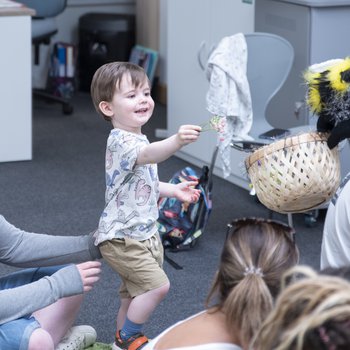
(159, 151)
(336, 229)
(69, 280)
(25, 249)
(24, 300)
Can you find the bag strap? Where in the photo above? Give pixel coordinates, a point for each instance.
(174, 264)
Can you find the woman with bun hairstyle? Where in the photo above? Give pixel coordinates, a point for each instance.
(312, 313)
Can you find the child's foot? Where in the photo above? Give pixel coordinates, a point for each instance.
(136, 342)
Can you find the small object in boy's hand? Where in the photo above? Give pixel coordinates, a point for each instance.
(274, 134)
(215, 123)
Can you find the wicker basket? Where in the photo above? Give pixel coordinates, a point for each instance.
(296, 174)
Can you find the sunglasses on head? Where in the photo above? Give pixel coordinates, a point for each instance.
(239, 223)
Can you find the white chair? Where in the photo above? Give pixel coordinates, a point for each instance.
(270, 59)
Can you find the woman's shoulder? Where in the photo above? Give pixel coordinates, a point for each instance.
(177, 330)
(211, 346)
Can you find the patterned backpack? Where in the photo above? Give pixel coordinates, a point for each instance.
(181, 224)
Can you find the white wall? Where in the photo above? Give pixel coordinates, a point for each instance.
(163, 34)
(190, 24)
(151, 23)
(147, 23)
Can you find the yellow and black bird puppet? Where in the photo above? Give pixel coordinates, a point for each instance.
(328, 96)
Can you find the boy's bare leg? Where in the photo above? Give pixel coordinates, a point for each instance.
(142, 306)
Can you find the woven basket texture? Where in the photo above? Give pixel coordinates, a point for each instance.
(296, 174)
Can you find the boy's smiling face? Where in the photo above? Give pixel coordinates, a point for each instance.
(131, 106)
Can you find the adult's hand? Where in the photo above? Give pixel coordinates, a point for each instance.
(89, 273)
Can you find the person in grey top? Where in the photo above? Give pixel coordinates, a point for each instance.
(40, 303)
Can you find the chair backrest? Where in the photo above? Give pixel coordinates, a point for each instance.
(46, 8)
(270, 59)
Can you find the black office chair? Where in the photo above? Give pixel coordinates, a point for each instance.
(43, 28)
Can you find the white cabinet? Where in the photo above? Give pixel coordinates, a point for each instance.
(189, 24)
(15, 84)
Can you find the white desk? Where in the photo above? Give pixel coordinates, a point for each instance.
(15, 84)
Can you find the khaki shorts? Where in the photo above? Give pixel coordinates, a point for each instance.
(138, 263)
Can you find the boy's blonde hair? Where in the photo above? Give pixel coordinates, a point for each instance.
(312, 313)
(107, 79)
(255, 255)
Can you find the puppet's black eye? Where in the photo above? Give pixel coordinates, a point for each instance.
(345, 76)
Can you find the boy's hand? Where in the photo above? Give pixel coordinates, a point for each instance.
(185, 192)
(188, 134)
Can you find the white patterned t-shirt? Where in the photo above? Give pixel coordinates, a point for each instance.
(132, 191)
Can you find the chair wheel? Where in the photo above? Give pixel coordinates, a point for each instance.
(67, 109)
(310, 220)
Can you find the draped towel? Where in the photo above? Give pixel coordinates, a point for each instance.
(229, 94)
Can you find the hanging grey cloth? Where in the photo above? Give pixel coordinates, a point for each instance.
(229, 94)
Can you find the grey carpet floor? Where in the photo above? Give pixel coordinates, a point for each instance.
(61, 191)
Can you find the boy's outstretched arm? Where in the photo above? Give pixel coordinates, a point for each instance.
(159, 151)
(183, 191)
